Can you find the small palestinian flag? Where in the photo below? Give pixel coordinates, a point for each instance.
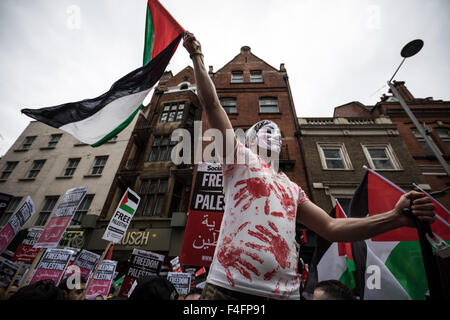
(95, 121)
(396, 253)
(129, 203)
(331, 261)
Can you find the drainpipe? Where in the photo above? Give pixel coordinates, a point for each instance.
(297, 135)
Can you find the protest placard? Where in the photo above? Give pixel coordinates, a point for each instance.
(181, 281)
(205, 216)
(121, 218)
(142, 263)
(86, 261)
(52, 265)
(5, 199)
(61, 218)
(25, 251)
(102, 281)
(8, 269)
(15, 223)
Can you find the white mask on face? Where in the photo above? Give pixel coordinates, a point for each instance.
(266, 134)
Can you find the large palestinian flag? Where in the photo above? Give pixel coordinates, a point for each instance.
(331, 261)
(396, 253)
(95, 121)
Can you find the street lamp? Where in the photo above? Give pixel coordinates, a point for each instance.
(409, 50)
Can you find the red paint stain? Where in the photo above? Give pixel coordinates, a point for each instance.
(251, 189)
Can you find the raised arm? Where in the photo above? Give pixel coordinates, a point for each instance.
(354, 229)
(216, 116)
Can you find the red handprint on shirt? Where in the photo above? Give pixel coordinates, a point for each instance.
(252, 189)
(231, 256)
(287, 201)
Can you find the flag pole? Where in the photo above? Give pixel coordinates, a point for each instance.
(108, 246)
(15, 276)
(32, 267)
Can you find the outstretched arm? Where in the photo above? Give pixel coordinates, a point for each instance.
(216, 116)
(354, 229)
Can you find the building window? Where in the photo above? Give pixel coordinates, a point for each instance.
(237, 77)
(256, 76)
(71, 166)
(334, 156)
(268, 105)
(9, 211)
(153, 193)
(54, 139)
(27, 142)
(82, 210)
(161, 149)
(35, 169)
(10, 166)
(99, 165)
(46, 211)
(381, 157)
(444, 135)
(172, 112)
(229, 104)
(422, 142)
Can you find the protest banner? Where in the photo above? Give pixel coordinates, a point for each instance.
(15, 223)
(61, 218)
(25, 251)
(121, 218)
(142, 263)
(205, 216)
(52, 265)
(8, 270)
(181, 281)
(86, 261)
(102, 280)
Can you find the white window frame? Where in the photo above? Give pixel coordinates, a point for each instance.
(256, 76)
(96, 166)
(389, 152)
(237, 76)
(334, 145)
(71, 167)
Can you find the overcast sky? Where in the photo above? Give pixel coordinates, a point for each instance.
(335, 51)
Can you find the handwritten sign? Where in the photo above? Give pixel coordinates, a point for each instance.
(181, 281)
(61, 218)
(25, 251)
(101, 284)
(121, 218)
(52, 265)
(15, 223)
(142, 263)
(205, 217)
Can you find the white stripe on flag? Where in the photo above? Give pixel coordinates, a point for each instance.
(97, 126)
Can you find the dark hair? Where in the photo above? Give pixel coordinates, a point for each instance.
(154, 288)
(63, 284)
(40, 290)
(335, 290)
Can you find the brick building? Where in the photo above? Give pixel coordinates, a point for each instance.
(433, 114)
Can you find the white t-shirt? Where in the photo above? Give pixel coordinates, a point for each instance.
(256, 251)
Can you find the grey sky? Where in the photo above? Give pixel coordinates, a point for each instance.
(335, 51)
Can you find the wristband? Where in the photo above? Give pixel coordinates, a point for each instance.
(195, 53)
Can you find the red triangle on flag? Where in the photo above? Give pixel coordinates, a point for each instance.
(110, 252)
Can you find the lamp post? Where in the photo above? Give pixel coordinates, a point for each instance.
(409, 50)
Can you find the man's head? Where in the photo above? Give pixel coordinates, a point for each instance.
(73, 291)
(154, 288)
(332, 290)
(40, 290)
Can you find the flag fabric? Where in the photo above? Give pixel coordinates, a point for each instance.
(395, 255)
(331, 261)
(95, 121)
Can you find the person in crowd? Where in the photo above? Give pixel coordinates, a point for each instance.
(194, 294)
(40, 290)
(73, 291)
(256, 255)
(332, 290)
(154, 288)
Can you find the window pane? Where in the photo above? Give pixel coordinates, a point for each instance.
(159, 205)
(332, 153)
(383, 164)
(163, 185)
(147, 206)
(335, 164)
(174, 107)
(378, 153)
(153, 186)
(171, 117)
(153, 154)
(179, 116)
(166, 108)
(181, 106)
(269, 109)
(164, 117)
(237, 76)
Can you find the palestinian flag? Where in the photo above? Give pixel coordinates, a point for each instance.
(129, 203)
(396, 253)
(331, 261)
(95, 121)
